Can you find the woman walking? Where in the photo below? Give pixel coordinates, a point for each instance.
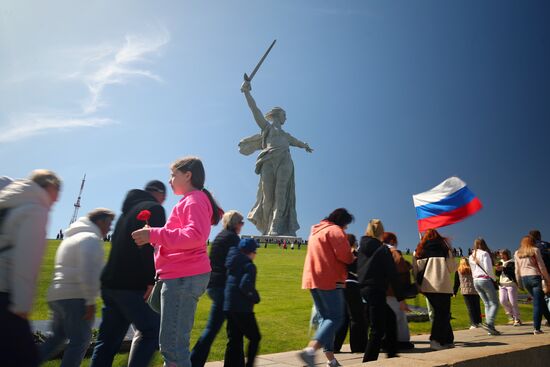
(228, 238)
(325, 271)
(465, 281)
(433, 264)
(484, 278)
(181, 260)
(530, 271)
(508, 289)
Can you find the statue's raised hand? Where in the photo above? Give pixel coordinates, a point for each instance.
(246, 87)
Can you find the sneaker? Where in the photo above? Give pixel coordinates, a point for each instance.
(517, 322)
(449, 346)
(309, 359)
(472, 327)
(434, 345)
(538, 332)
(333, 363)
(492, 331)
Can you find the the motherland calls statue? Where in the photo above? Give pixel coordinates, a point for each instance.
(274, 213)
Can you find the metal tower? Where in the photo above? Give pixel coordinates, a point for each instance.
(77, 204)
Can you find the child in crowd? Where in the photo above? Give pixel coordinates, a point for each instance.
(240, 296)
(464, 280)
(508, 289)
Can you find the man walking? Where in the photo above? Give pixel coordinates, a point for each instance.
(127, 281)
(24, 209)
(75, 287)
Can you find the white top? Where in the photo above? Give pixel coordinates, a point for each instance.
(484, 260)
(78, 263)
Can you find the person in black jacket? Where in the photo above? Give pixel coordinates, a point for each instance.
(355, 317)
(240, 297)
(376, 271)
(228, 238)
(127, 281)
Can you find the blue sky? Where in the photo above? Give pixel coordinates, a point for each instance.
(394, 96)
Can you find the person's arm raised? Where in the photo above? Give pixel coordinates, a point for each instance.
(258, 115)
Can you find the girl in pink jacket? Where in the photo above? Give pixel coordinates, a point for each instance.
(181, 259)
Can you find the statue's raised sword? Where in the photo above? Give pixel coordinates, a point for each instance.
(249, 78)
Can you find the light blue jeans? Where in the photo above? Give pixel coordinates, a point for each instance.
(68, 324)
(489, 296)
(331, 307)
(178, 303)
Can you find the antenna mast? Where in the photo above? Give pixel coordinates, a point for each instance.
(77, 204)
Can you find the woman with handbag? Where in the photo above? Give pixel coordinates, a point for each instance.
(530, 272)
(433, 264)
(485, 283)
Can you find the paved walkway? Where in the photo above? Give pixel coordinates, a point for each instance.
(517, 346)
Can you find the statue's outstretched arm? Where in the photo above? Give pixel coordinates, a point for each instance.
(298, 143)
(258, 115)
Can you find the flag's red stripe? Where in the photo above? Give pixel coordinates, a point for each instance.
(451, 217)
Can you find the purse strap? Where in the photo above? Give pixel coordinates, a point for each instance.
(478, 264)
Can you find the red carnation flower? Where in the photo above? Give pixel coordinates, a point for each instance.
(144, 215)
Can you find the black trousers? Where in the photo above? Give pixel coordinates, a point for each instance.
(17, 348)
(355, 320)
(382, 323)
(474, 309)
(239, 325)
(442, 332)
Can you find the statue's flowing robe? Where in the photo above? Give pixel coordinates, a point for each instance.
(272, 162)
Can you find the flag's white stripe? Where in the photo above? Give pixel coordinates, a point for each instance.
(440, 192)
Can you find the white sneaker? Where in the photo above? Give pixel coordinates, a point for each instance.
(333, 363)
(472, 327)
(517, 322)
(309, 359)
(538, 332)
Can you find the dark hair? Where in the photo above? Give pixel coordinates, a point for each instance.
(198, 176)
(535, 233)
(341, 217)
(430, 235)
(389, 237)
(351, 239)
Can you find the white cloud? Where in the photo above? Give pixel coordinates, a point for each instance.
(34, 124)
(96, 68)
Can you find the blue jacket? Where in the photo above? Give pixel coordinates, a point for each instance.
(240, 288)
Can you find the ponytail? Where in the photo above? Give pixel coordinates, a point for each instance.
(217, 212)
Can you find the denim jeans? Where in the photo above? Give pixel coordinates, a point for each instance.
(122, 307)
(488, 294)
(68, 323)
(178, 303)
(200, 351)
(331, 307)
(533, 284)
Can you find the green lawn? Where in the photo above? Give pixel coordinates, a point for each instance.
(283, 314)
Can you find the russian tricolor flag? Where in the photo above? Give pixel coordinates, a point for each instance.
(449, 202)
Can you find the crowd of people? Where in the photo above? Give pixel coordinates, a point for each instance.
(158, 268)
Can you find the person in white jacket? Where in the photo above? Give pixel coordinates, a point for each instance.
(481, 264)
(75, 287)
(24, 210)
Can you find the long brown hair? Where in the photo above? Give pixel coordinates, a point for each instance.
(198, 176)
(430, 235)
(527, 247)
(480, 244)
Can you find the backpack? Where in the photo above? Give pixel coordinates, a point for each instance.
(544, 248)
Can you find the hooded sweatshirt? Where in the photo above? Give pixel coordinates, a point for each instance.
(130, 266)
(24, 228)
(78, 263)
(328, 253)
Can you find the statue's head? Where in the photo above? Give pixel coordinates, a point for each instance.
(276, 114)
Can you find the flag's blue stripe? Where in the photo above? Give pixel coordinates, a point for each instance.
(454, 201)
